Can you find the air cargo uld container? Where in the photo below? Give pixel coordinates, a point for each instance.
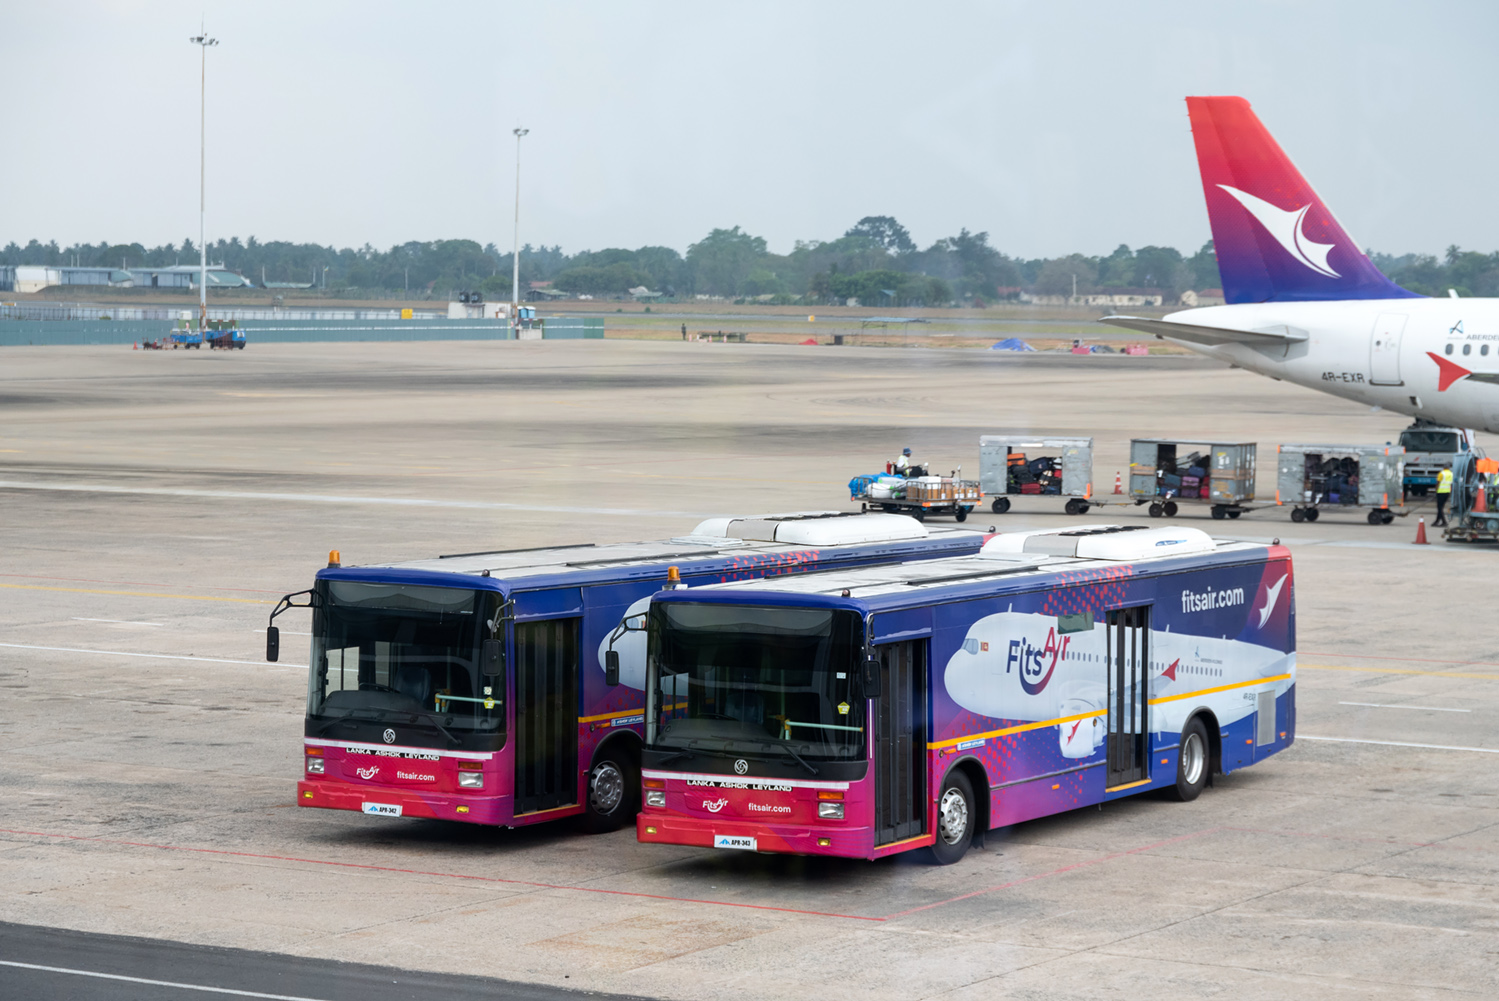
(1166, 474)
(1013, 465)
(1341, 477)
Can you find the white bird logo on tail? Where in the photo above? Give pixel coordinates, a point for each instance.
(1285, 226)
(1272, 595)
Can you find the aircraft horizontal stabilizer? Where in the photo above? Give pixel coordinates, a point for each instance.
(1278, 336)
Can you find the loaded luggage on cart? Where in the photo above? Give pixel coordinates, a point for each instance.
(1016, 465)
(917, 496)
(1166, 474)
(1340, 477)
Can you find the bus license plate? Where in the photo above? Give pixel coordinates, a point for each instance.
(734, 841)
(381, 809)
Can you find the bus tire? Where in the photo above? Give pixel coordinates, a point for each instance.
(955, 819)
(613, 787)
(1193, 762)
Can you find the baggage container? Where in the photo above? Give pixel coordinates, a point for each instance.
(1014, 465)
(1221, 475)
(1310, 478)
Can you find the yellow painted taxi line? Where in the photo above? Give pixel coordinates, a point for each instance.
(137, 594)
(1220, 688)
(1022, 728)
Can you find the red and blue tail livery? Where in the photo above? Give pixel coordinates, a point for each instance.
(1276, 241)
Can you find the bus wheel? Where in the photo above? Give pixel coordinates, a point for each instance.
(1191, 762)
(955, 815)
(611, 792)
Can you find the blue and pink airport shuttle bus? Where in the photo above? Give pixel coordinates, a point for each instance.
(865, 712)
(507, 688)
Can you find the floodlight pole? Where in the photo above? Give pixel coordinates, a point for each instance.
(202, 40)
(515, 257)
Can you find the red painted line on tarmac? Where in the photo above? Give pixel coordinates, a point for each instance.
(136, 583)
(1055, 872)
(443, 875)
(1414, 660)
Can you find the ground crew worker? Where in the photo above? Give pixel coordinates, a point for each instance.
(1444, 494)
(903, 462)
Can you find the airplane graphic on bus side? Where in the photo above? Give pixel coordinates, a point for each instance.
(1305, 305)
(1070, 682)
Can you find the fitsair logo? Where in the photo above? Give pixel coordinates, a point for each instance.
(1272, 595)
(1286, 226)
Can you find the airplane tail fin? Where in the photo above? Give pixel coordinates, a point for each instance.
(1275, 239)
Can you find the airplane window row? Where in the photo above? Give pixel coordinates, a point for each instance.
(1468, 349)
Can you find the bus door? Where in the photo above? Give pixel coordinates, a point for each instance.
(1129, 687)
(546, 714)
(900, 742)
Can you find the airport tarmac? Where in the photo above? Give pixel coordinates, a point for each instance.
(157, 504)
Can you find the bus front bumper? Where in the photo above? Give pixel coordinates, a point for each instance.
(664, 828)
(387, 802)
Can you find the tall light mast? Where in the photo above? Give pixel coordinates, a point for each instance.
(202, 40)
(515, 257)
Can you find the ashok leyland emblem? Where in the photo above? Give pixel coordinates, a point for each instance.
(741, 766)
(389, 735)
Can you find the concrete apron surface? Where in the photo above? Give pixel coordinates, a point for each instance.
(155, 505)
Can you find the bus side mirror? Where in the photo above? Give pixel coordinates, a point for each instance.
(489, 657)
(272, 643)
(611, 668)
(869, 678)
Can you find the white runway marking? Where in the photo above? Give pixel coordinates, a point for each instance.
(1399, 743)
(148, 656)
(1380, 705)
(340, 499)
(123, 622)
(156, 983)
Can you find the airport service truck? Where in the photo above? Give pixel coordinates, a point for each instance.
(1429, 449)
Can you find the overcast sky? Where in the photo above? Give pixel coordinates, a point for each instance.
(1055, 126)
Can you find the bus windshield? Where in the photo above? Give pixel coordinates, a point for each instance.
(398, 652)
(766, 681)
(1429, 441)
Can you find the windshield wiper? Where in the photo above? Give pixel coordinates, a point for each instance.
(799, 759)
(675, 755)
(349, 717)
(452, 740)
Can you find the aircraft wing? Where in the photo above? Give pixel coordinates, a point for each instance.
(1272, 336)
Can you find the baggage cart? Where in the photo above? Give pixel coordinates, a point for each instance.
(1311, 478)
(1019, 465)
(917, 496)
(1166, 474)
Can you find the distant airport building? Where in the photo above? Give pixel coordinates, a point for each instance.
(1103, 297)
(35, 278)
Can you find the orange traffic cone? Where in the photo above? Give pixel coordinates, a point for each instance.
(1118, 484)
(1421, 532)
(135, 346)
(1480, 500)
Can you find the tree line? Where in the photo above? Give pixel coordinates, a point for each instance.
(875, 261)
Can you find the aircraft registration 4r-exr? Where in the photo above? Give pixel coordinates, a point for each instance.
(1305, 305)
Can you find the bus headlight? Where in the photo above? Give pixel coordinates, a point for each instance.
(829, 811)
(471, 780)
(314, 766)
(655, 797)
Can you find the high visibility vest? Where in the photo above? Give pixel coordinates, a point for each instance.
(1444, 482)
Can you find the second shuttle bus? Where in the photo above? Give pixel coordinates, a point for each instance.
(866, 712)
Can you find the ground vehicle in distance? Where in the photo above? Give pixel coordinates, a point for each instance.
(1429, 449)
(506, 688)
(874, 711)
(1475, 500)
(1310, 478)
(916, 496)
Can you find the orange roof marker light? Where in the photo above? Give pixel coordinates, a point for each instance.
(335, 558)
